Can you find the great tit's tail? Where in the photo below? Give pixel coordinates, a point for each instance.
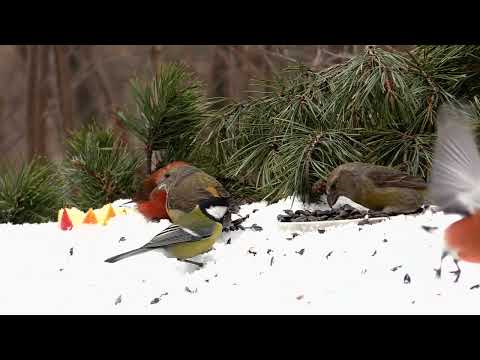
(126, 255)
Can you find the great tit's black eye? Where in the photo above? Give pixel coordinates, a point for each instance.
(167, 175)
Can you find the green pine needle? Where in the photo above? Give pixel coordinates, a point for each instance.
(30, 195)
(99, 168)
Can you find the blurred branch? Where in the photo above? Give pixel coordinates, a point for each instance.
(44, 95)
(32, 98)
(155, 53)
(282, 56)
(64, 85)
(89, 69)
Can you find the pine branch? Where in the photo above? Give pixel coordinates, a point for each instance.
(98, 168)
(30, 195)
(168, 111)
(380, 106)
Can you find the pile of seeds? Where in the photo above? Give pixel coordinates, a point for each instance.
(345, 212)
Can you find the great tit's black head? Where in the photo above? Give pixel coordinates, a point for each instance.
(215, 209)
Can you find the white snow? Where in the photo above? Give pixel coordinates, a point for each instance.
(342, 271)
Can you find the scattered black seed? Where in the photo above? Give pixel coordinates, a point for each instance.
(229, 241)
(406, 279)
(321, 231)
(413, 302)
(207, 280)
(429, 229)
(284, 218)
(396, 268)
(271, 260)
(236, 224)
(71, 251)
(300, 297)
(216, 275)
(256, 227)
(254, 211)
(318, 213)
(155, 301)
(187, 289)
(374, 253)
(122, 239)
(348, 208)
(328, 255)
(385, 240)
(269, 251)
(364, 271)
(295, 235)
(475, 287)
(61, 269)
(250, 251)
(300, 252)
(344, 212)
(118, 300)
(376, 214)
(301, 218)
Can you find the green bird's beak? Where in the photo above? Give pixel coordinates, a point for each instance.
(332, 198)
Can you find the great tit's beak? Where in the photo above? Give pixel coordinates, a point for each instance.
(332, 198)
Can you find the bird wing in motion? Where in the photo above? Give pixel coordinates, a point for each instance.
(455, 180)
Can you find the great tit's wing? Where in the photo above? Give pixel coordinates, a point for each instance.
(175, 234)
(382, 178)
(172, 235)
(455, 179)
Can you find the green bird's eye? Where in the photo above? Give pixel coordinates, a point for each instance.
(167, 175)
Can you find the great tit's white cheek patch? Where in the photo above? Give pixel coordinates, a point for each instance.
(216, 212)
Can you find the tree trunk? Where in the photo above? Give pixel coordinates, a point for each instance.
(64, 85)
(31, 122)
(155, 53)
(43, 96)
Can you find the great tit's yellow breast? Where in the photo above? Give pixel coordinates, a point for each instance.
(194, 248)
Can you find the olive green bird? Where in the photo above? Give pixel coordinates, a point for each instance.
(197, 205)
(378, 188)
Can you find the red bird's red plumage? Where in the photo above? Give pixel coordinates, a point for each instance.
(152, 204)
(463, 236)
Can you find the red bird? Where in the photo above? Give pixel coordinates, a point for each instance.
(150, 201)
(455, 185)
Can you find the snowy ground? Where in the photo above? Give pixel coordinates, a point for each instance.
(385, 268)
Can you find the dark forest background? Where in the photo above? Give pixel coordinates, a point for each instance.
(50, 90)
